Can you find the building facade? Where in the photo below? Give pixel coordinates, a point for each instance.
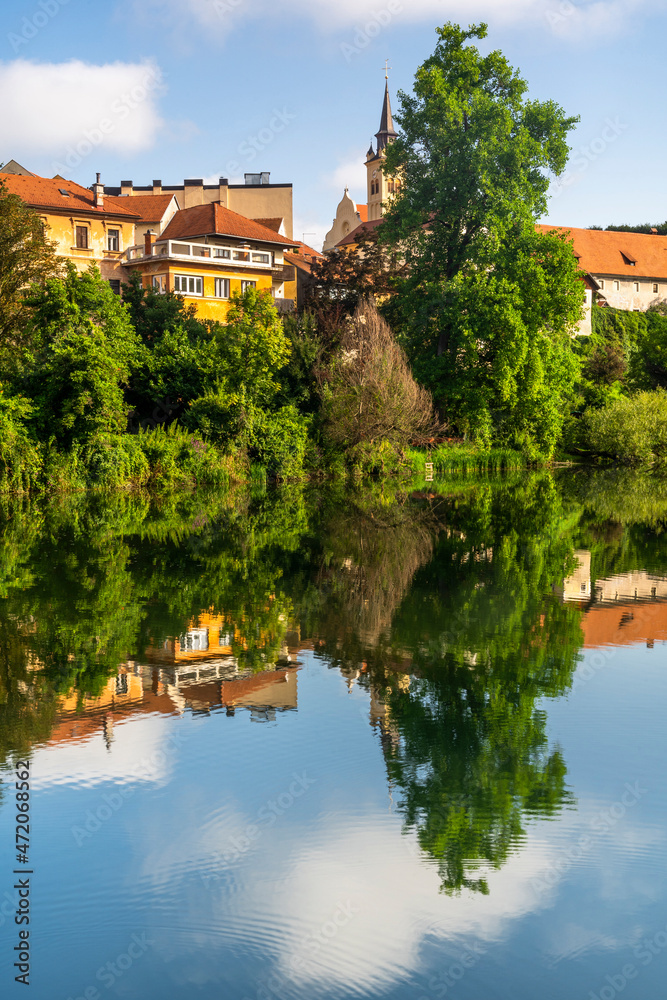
(256, 199)
(87, 227)
(207, 253)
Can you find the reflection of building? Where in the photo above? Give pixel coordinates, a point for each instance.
(146, 690)
(620, 610)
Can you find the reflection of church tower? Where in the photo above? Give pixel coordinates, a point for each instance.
(379, 188)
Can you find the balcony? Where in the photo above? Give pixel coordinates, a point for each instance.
(225, 256)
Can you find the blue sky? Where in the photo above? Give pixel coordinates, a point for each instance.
(143, 89)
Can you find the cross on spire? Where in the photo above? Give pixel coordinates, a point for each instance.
(387, 67)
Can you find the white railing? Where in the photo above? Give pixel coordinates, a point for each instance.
(224, 255)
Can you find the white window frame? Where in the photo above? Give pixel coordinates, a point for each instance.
(222, 288)
(245, 285)
(116, 239)
(195, 640)
(189, 280)
(159, 283)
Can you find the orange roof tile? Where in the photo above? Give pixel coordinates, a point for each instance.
(216, 220)
(45, 193)
(364, 227)
(608, 253)
(363, 212)
(148, 207)
(304, 257)
(274, 224)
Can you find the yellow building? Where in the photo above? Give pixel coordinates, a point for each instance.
(86, 226)
(207, 253)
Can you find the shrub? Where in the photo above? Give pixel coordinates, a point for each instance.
(177, 457)
(279, 441)
(632, 429)
(20, 460)
(368, 392)
(116, 460)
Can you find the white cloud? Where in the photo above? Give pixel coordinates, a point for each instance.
(53, 108)
(564, 17)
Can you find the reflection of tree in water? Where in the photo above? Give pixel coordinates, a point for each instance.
(483, 636)
(368, 558)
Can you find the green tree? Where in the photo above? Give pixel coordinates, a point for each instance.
(26, 256)
(488, 303)
(84, 350)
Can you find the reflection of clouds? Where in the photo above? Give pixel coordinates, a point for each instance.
(140, 751)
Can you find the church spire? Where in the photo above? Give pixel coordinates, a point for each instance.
(387, 132)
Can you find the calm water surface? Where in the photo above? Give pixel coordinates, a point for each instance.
(296, 745)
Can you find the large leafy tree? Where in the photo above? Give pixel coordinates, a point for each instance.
(26, 256)
(82, 354)
(488, 302)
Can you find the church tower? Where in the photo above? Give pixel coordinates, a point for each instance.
(378, 187)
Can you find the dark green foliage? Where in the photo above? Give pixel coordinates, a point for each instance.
(488, 304)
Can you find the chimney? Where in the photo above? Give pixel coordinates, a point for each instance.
(149, 240)
(126, 187)
(157, 187)
(98, 193)
(223, 191)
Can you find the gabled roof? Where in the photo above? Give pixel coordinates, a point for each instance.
(604, 252)
(215, 220)
(53, 193)
(14, 167)
(364, 227)
(148, 208)
(304, 257)
(275, 224)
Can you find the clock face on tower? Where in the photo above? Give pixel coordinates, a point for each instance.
(375, 173)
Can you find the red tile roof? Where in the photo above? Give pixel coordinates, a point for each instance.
(274, 224)
(215, 220)
(364, 227)
(149, 207)
(45, 193)
(363, 212)
(304, 257)
(608, 253)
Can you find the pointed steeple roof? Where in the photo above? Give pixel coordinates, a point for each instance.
(387, 131)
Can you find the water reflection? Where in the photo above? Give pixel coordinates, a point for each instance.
(460, 614)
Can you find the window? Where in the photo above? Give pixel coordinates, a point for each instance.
(82, 237)
(159, 283)
(188, 284)
(222, 288)
(114, 284)
(617, 285)
(221, 252)
(226, 638)
(113, 240)
(601, 284)
(655, 287)
(261, 258)
(196, 640)
(636, 286)
(121, 684)
(245, 285)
